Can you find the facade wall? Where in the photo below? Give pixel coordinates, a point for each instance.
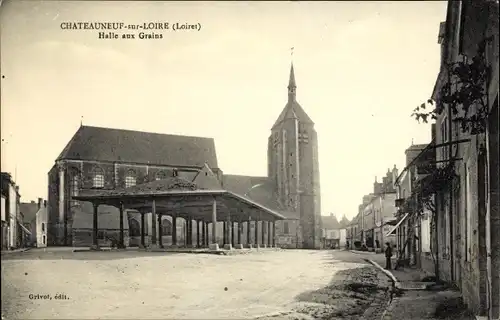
(290, 238)
(465, 235)
(41, 229)
(83, 237)
(13, 209)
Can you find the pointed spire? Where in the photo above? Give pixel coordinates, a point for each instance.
(291, 82)
(291, 85)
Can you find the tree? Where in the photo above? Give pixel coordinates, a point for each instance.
(465, 93)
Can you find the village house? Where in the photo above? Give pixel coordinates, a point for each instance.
(41, 224)
(353, 238)
(334, 232)
(13, 227)
(28, 211)
(413, 229)
(378, 213)
(5, 224)
(465, 180)
(468, 208)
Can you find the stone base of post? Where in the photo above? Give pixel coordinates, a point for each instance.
(249, 246)
(228, 246)
(239, 246)
(214, 246)
(95, 247)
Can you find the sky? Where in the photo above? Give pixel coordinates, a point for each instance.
(360, 67)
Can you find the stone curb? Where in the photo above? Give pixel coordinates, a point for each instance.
(381, 303)
(386, 272)
(387, 313)
(362, 252)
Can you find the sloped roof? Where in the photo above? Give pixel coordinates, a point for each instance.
(258, 189)
(107, 144)
(206, 179)
(29, 210)
(330, 222)
(108, 217)
(293, 110)
(344, 222)
(241, 184)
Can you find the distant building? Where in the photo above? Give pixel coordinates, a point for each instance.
(41, 225)
(35, 220)
(377, 213)
(14, 232)
(5, 223)
(334, 233)
(331, 232)
(28, 211)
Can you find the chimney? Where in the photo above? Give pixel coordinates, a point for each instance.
(395, 174)
(331, 214)
(45, 203)
(384, 183)
(39, 203)
(32, 202)
(377, 188)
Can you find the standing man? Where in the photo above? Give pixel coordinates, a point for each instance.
(388, 256)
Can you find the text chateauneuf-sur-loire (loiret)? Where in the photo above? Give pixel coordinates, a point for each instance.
(117, 30)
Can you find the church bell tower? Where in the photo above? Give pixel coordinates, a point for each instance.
(294, 167)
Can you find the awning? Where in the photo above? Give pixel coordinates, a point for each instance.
(397, 225)
(24, 228)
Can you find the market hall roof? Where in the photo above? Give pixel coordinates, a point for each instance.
(259, 189)
(107, 144)
(182, 196)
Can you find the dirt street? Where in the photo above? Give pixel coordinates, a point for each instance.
(111, 285)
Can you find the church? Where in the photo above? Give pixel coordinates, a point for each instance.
(100, 159)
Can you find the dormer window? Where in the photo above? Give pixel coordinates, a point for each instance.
(98, 178)
(130, 179)
(175, 173)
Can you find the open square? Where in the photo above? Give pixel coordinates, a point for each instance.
(57, 283)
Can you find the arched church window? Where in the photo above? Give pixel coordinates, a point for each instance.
(98, 178)
(74, 184)
(134, 228)
(160, 175)
(130, 179)
(166, 227)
